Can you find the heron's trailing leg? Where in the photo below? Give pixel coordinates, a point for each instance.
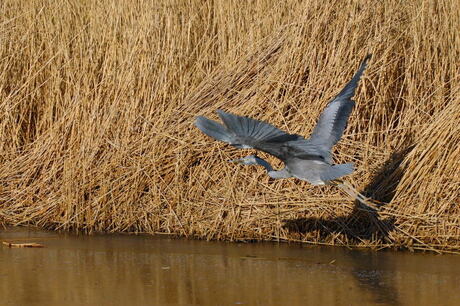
(345, 186)
(255, 160)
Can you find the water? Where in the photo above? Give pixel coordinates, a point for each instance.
(142, 270)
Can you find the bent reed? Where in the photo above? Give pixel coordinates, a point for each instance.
(98, 100)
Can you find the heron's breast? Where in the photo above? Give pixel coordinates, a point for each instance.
(307, 170)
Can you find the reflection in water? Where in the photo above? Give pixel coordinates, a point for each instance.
(374, 280)
(138, 270)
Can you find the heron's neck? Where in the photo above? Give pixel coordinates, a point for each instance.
(264, 163)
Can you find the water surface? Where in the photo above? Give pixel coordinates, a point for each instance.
(144, 270)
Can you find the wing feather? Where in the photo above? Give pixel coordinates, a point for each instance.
(244, 132)
(333, 119)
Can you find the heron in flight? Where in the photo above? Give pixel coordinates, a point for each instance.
(306, 159)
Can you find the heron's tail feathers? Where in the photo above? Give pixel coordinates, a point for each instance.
(336, 171)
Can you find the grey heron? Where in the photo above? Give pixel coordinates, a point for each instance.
(306, 159)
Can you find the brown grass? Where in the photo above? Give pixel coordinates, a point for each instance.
(98, 100)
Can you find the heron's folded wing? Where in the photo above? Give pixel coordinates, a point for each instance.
(333, 119)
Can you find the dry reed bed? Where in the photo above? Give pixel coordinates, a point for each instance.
(98, 101)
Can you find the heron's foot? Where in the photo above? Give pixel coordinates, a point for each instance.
(248, 160)
(370, 201)
(350, 190)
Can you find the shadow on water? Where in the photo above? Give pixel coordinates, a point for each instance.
(363, 223)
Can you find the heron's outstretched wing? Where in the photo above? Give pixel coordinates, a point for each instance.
(244, 132)
(333, 119)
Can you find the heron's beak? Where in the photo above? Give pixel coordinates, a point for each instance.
(237, 161)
